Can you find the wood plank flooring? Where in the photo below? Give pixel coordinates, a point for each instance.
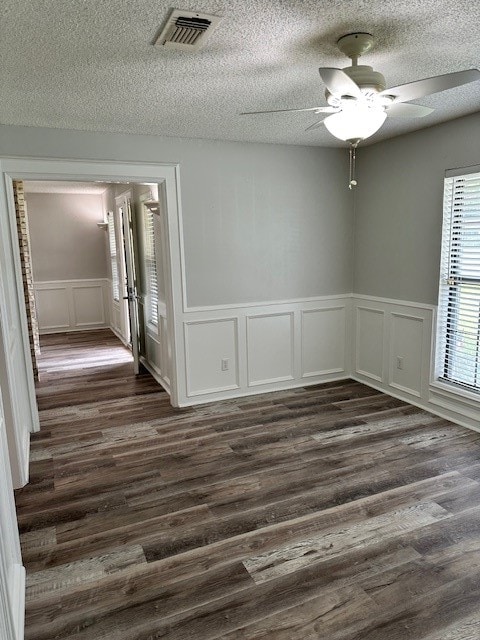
(331, 512)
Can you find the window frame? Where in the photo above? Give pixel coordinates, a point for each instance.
(452, 278)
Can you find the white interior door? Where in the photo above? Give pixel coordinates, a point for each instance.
(131, 276)
(123, 320)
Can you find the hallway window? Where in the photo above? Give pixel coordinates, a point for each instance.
(459, 294)
(150, 267)
(113, 256)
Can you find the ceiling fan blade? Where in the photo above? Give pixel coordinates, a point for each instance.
(317, 109)
(315, 125)
(402, 110)
(338, 83)
(422, 88)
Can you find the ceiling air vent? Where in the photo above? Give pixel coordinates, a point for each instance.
(186, 31)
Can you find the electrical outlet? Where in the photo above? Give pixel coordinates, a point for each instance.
(225, 364)
(399, 362)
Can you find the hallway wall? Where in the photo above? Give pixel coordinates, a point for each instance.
(65, 239)
(69, 258)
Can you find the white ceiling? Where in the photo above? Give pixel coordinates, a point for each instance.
(51, 186)
(90, 65)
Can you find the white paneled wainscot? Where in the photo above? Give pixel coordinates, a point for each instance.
(256, 348)
(392, 345)
(393, 350)
(72, 305)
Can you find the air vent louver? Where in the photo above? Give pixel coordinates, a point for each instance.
(186, 31)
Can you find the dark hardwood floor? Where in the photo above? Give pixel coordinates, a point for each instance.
(331, 512)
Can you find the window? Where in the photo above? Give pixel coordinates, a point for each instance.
(113, 256)
(459, 296)
(150, 267)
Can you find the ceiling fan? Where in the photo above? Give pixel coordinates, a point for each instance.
(358, 101)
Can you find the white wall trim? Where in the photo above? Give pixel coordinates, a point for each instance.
(18, 599)
(278, 365)
(12, 573)
(250, 319)
(209, 389)
(358, 369)
(255, 391)
(60, 306)
(454, 393)
(393, 301)
(448, 414)
(119, 336)
(155, 373)
(304, 342)
(416, 383)
(267, 303)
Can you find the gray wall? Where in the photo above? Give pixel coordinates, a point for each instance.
(398, 208)
(66, 243)
(261, 222)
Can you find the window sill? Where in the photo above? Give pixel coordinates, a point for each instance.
(455, 394)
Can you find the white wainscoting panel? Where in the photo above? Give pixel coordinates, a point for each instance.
(270, 348)
(406, 353)
(369, 338)
(53, 308)
(72, 305)
(408, 357)
(207, 344)
(323, 340)
(408, 334)
(88, 305)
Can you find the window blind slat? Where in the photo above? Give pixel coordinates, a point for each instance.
(150, 267)
(459, 293)
(113, 256)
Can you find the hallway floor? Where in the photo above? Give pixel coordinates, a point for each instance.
(331, 512)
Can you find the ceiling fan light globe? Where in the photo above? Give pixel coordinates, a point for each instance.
(355, 124)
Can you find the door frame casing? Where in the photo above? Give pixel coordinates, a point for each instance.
(91, 171)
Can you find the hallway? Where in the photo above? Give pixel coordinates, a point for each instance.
(331, 512)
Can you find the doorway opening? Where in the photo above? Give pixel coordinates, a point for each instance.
(93, 264)
(18, 386)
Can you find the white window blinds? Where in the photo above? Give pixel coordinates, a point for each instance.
(150, 267)
(113, 256)
(459, 296)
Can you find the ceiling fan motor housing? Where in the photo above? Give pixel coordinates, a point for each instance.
(369, 81)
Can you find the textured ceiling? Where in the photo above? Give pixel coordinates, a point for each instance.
(90, 65)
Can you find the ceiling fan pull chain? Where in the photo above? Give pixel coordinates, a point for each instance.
(353, 181)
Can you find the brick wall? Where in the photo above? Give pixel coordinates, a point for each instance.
(27, 275)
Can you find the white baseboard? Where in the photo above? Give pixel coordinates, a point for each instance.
(119, 336)
(155, 374)
(255, 391)
(431, 408)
